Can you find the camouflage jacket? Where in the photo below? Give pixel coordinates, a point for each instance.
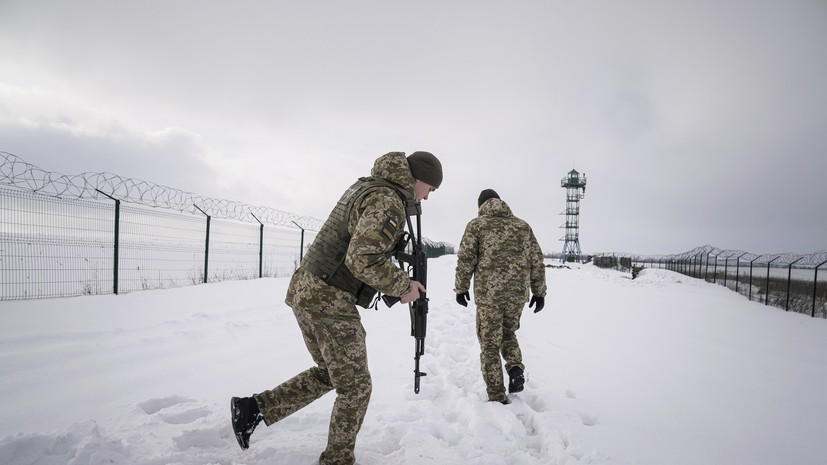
(500, 251)
(375, 223)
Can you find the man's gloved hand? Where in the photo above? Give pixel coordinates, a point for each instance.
(463, 298)
(540, 301)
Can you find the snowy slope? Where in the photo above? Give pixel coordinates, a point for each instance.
(664, 369)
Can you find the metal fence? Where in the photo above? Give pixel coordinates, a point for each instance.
(793, 282)
(98, 233)
(54, 247)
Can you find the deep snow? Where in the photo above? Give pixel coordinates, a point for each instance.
(664, 369)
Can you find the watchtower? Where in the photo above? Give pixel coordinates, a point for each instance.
(575, 185)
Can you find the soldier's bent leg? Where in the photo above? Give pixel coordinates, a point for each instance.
(302, 389)
(342, 343)
(489, 334)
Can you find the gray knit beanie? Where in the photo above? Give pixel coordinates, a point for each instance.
(426, 167)
(485, 195)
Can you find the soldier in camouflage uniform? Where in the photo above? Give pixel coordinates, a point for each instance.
(348, 262)
(500, 251)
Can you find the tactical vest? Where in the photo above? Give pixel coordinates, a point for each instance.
(326, 256)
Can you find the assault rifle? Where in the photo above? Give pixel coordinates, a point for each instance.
(418, 266)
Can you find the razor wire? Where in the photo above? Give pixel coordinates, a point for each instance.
(777, 259)
(16, 172)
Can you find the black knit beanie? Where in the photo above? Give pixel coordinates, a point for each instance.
(485, 195)
(426, 167)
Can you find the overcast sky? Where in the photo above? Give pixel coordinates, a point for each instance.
(696, 122)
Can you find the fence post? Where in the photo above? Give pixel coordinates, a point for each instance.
(207, 248)
(116, 265)
(815, 288)
(750, 275)
(767, 296)
(260, 245)
(726, 268)
(706, 270)
(715, 271)
(301, 246)
(737, 270)
(789, 278)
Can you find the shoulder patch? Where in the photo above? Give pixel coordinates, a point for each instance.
(391, 225)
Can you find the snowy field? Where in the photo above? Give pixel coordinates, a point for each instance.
(662, 370)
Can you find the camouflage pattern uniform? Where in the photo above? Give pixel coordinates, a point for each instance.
(329, 320)
(500, 251)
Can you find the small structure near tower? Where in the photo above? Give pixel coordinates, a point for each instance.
(575, 185)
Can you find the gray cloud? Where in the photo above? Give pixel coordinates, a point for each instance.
(696, 123)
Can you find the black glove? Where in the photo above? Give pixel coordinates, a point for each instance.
(540, 301)
(463, 298)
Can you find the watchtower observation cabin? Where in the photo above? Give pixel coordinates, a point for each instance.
(575, 185)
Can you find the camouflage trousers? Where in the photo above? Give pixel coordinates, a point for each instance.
(335, 338)
(496, 331)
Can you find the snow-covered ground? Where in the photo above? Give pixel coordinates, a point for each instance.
(662, 370)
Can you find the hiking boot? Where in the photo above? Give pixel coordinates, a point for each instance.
(516, 380)
(245, 417)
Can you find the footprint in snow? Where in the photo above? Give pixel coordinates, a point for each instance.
(175, 410)
(185, 417)
(588, 419)
(206, 438)
(153, 406)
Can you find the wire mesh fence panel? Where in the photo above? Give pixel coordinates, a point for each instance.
(160, 249)
(234, 251)
(247, 251)
(282, 252)
(51, 247)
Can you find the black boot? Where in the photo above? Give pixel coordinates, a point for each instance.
(516, 381)
(245, 417)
